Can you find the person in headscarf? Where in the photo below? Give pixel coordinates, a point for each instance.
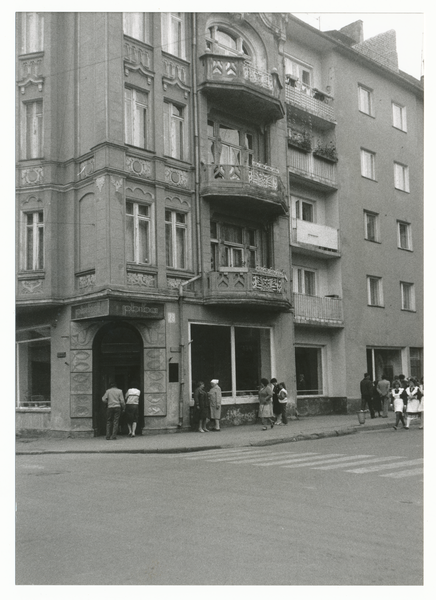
(215, 398)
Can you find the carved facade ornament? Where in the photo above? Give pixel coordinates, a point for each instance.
(141, 279)
(176, 177)
(99, 182)
(139, 167)
(31, 80)
(86, 168)
(137, 59)
(175, 282)
(32, 176)
(32, 286)
(86, 281)
(263, 283)
(117, 183)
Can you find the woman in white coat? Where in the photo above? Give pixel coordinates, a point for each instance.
(215, 398)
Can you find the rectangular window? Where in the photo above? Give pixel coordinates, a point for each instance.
(365, 100)
(308, 369)
(135, 25)
(416, 363)
(371, 226)
(304, 281)
(383, 361)
(135, 117)
(234, 146)
(375, 291)
(404, 235)
(33, 241)
(32, 32)
(367, 162)
(173, 33)
(237, 356)
(304, 210)
(32, 130)
(407, 296)
(176, 239)
(237, 246)
(175, 140)
(33, 368)
(401, 177)
(298, 75)
(138, 231)
(399, 118)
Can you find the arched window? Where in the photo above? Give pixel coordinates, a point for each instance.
(223, 41)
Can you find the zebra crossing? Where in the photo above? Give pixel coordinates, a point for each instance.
(399, 466)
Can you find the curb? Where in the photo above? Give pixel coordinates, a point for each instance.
(187, 449)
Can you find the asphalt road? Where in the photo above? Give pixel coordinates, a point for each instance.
(335, 511)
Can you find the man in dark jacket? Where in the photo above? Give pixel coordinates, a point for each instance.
(366, 390)
(113, 398)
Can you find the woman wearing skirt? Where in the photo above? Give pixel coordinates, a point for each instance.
(265, 404)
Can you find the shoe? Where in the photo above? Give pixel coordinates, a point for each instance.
(107, 437)
(113, 437)
(278, 423)
(206, 430)
(130, 434)
(272, 425)
(200, 430)
(406, 428)
(217, 430)
(395, 427)
(133, 435)
(264, 428)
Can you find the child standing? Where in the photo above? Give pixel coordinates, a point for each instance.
(398, 400)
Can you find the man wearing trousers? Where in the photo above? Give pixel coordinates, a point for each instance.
(113, 397)
(366, 389)
(383, 388)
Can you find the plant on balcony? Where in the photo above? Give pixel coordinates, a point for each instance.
(300, 139)
(328, 151)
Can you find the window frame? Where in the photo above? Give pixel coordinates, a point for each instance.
(172, 122)
(363, 154)
(299, 280)
(370, 96)
(175, 45)
(175, 227)
(409, 245)
(36, 229)
(299, 210)
(131, 20)
(221, 247)
(137, 218)
(408, 302)
(32, 38)
(401, 177)
(133, 108)
(298, 69)
(369, 213)
(32, 144)
(380, 296)
(402, 126)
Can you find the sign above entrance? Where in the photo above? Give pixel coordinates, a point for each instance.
(117, 308)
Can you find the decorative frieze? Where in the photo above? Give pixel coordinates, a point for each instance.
(175, 282)
(99, 182)
(141, 279)
(176, 177)
(117, 183)
(31, 286)
(174, 70)
(139, 167)
(86, 168)
(155, 405)
(81, 360)
(81, 405)
(32, 176)
(86, 281)
(136, 58)
(264, 283)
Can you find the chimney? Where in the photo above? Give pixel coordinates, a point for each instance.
(354, 31)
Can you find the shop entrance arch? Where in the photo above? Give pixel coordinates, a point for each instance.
(118, 357)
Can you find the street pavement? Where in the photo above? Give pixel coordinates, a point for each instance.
(305, 428)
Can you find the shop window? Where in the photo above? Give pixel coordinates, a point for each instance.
(32, 32)
(176, 238)
(138, 232)
(238, 247)
(33, 368)
(173, 34)
(308, 365)
(33, 230)
(416, 363)
(238, 356)
(136, 25)
(383, 361)
(136, 117)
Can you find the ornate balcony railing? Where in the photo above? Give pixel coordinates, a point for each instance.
(315, 235)
(310, 166)
(309, 99)
(316, 310)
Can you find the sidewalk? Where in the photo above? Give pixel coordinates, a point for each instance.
(305, 428)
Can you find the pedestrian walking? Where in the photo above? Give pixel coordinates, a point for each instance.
(421, 403)
(275, 400)
(132, 409)
(376, 400)
(113, 398)
(201, 406)
(215, 399)
(283, 403)
(366, 394)
(399, 396)
(383, 388)
(414, 396)
(265, 403)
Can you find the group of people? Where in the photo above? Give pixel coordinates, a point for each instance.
(116, 405)
(207, 407)
(405, 395)
(273, 403)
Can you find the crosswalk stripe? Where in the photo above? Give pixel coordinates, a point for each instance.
(353, 463)
(401, 474)
(213, 452)
(284, 463)
(405, 463)
(270, 458)
(253, 454)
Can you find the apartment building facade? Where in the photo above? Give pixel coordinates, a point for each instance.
(189, 206)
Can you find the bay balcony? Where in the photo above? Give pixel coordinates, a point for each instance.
(241, 87)
(319, 173)
(315, 239)
(256, 186)
(318, 311)
(305, 99)
(260, 287)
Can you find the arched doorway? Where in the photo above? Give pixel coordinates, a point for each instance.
(117, 356)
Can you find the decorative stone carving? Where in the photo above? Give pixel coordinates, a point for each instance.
(86, 281)
(176, 177)
(141, 279)
(82, 334)
(154, 359)
(99, 182)
(139, 167)
(155, 405)
(136, 58)
(117, 183)
(81, 383)
(153, 333)
(174, 282)
(263, 283)
(32, 176)
(155, 382)
(81, 405)
(81, 360)
(86, 168)
(174, 70)
(32, 286)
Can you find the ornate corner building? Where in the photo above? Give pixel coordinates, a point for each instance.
(211, 195)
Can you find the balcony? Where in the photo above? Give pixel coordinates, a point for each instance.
(241, 87)
(316, 171)
(318, 311)
(260, 287)
(315, 239)
(305, 99)
(255, 186)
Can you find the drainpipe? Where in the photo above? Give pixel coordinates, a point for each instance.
(182, 348)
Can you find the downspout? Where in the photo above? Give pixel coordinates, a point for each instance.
(197, 216)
